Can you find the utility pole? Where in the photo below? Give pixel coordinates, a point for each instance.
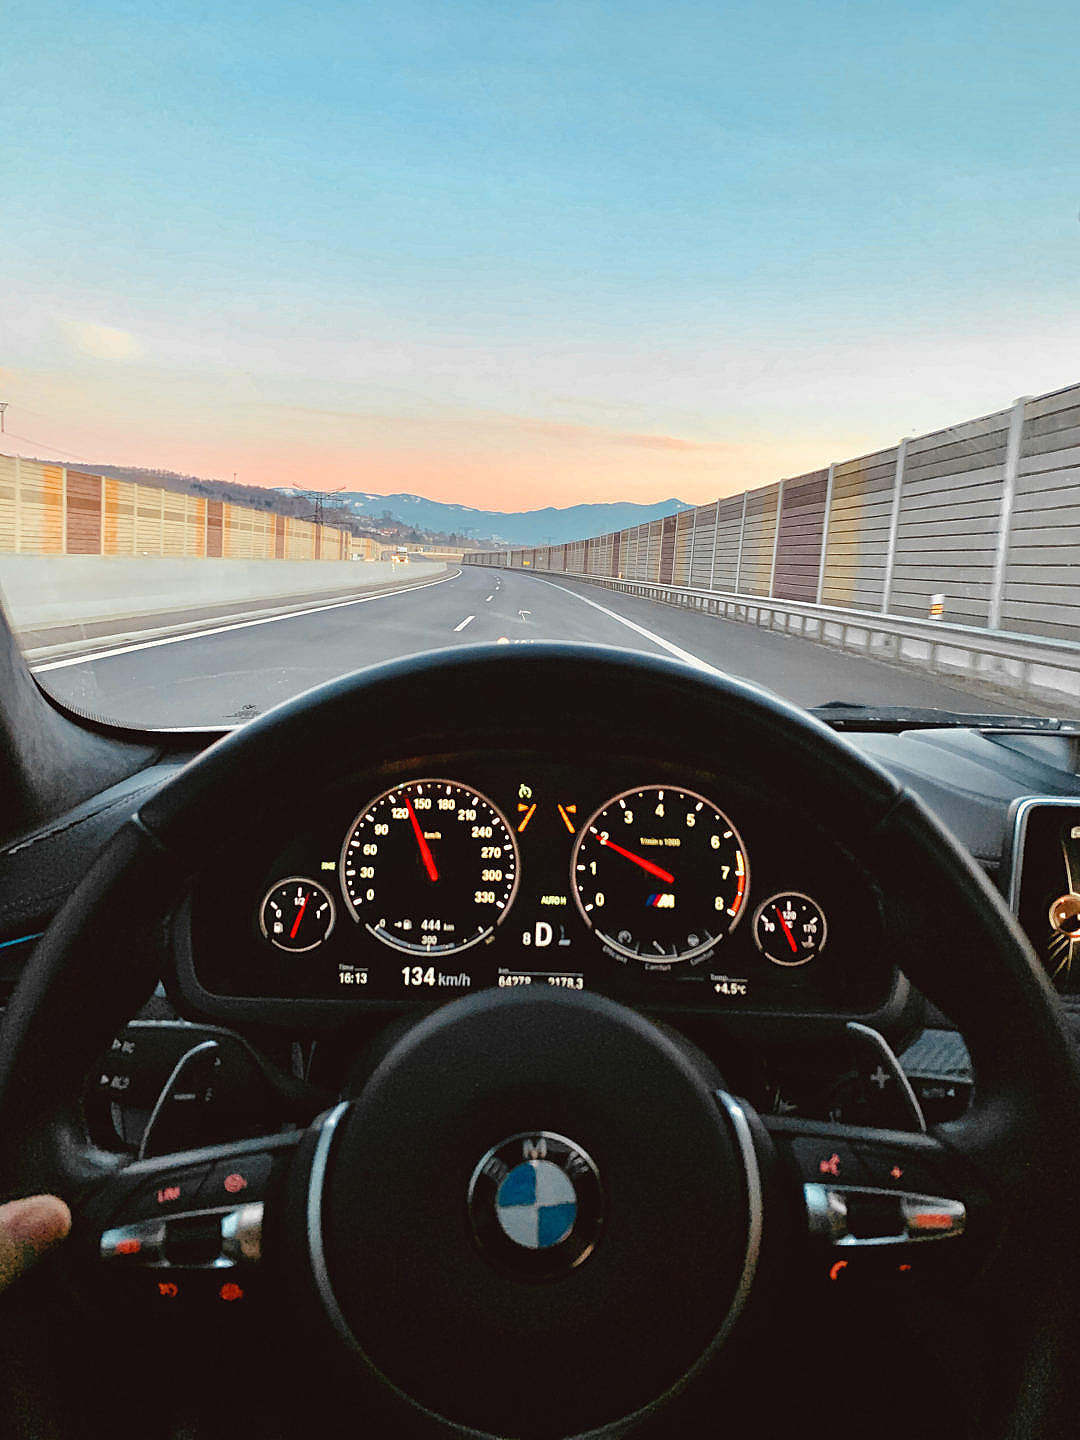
(318, 500)
(3, 407)
(324, 495)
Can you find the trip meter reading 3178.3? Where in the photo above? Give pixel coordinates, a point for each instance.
(660, 874)
(429, 867)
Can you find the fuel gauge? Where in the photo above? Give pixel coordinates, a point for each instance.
(297, 914)
(790, 929)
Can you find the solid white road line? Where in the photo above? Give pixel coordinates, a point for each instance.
(676, 650)
(87, 659)
(467, 621)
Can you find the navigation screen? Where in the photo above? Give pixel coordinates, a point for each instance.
(1048, 902)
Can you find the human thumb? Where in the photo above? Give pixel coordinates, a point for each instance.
(27, 1229)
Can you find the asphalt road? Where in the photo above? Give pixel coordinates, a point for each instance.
(232, 670)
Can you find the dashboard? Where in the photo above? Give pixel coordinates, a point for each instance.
(654, 883)
(794, 1038)
(782, 1032)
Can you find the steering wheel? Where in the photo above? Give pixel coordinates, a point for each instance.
(670, 1206)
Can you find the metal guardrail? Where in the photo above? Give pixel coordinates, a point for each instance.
(997, 662)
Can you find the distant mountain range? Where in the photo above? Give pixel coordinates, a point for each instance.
(410, 518)
(519, 527)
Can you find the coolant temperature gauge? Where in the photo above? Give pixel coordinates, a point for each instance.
(296, 915)
(790, 929)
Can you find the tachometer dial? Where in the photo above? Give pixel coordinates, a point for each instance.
(660, 874)
(430, 867)
(790, 929)
(296, 914)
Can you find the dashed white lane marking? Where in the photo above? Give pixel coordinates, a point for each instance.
(488, 597)
(672, 649)
(467, 621)
(86, 659)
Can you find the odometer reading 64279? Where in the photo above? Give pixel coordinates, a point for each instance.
(429, 867)
(660, 874)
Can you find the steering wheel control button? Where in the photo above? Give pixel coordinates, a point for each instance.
(166, 1288)
(235, 1181)
(891, 1168)
(826, 1213)
(190, 1267)
(241, 1234)
(134, 1244)
(166, 1193)
(826, 1161)
(194, 1295)
(536, 1205)
(933, 1219)
(857, 1218)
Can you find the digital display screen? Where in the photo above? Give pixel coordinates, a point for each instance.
(1047, 900)
(418, 886)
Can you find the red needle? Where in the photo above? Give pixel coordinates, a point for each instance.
(787, 932)
(425, 848)
(648, 865)
(299, 917)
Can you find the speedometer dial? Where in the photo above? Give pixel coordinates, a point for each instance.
(660, 874)
(430, 867)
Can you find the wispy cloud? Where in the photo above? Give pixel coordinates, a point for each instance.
(595, 435)
(568, 433)
(660, 442)
(101, 342)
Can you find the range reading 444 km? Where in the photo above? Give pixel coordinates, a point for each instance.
(429, 867)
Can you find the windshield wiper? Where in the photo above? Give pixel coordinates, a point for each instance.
(849, 715)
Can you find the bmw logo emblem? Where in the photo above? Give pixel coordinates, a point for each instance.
(536, 1204)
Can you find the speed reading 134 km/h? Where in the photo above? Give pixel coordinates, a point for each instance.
(429, 867)
(660, 874)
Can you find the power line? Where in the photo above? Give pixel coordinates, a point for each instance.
(45, 445)
(318, 498)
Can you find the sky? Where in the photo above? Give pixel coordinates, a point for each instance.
(530, 253)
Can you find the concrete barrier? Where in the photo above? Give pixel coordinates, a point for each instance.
(41, 592)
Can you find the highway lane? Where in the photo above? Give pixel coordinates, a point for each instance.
(232, 671)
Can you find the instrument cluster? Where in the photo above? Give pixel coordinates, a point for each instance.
(684, 890)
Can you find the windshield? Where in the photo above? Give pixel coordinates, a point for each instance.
(740, 334)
